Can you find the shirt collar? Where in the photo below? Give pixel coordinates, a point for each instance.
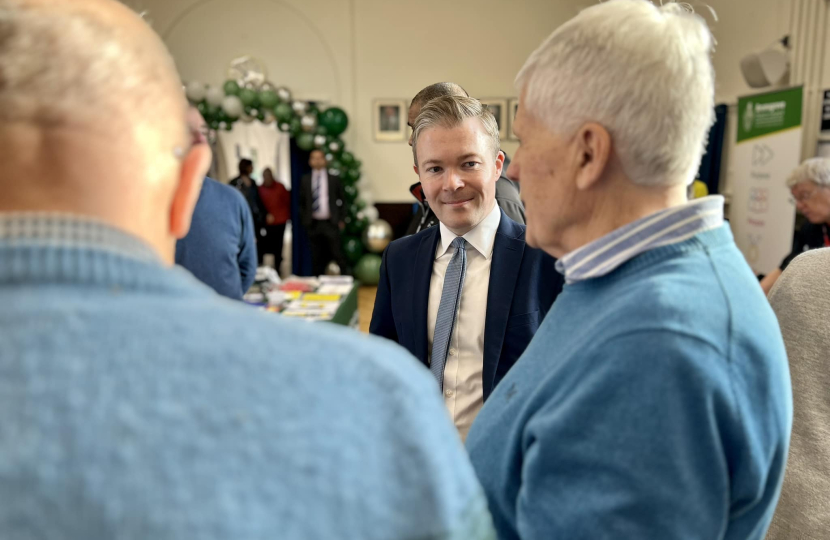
(47, 229)
(482, 237)
(669, 226)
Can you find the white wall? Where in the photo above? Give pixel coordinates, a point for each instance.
(351, 52)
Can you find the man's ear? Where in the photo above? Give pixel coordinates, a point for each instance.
(593, 147)
(499, 164)
(415, 168)
(194, 167)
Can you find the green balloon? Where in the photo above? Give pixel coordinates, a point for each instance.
(351, 193)
(335, 145)
(202, 107)
(357, 226)
(367, 270)
(353, 248)
(335, 120)
(284, 112)
(336, 165)
(248, 97)
(347, 158)
(357, 164)
(359, 204)
(353, 175)
(297, 128)
(231, 88)
(312, 110)
(213, 110)
(268, 99)
(305, 141)
(321, 130)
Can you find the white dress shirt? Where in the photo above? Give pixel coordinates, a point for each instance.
(463, 387)
(321, 177)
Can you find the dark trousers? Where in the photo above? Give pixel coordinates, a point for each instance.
(271, 242)
(324, 239)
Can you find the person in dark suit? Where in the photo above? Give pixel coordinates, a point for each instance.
(219, 249)
(246, 185)
(323, 211)
(466, 297)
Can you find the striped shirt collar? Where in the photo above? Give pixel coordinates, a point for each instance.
(669, 226)
(47, 229)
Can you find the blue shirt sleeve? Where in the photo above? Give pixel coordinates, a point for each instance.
(247, 248)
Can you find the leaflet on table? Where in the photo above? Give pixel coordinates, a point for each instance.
(334, 288)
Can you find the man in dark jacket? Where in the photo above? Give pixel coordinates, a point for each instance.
(323, 211)
(507, 192)
(246, 185)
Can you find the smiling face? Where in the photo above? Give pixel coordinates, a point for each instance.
(458, 168)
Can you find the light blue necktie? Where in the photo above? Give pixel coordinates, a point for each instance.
(315, 193)
(448, 308)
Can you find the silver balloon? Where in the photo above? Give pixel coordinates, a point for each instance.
(285, 126)
(371, 213)
(377, 236)
(333, 269)
(233, 107)
(334, 147)
(247, 70)
(284, 94)
(309, 122)
(195, 91)
(319, 140)
(334, 172)
(300, 107)
(329, 157)
(214, 96)
(267, 85)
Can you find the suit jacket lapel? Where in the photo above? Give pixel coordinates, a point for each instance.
(420, 291)
(508, 250)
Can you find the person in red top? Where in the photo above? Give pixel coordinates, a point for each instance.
(277, 202)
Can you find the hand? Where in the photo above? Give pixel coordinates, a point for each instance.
(342, 225)
(269, 219)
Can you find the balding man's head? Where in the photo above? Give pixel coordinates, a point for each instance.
(429, 93)
(89, 90)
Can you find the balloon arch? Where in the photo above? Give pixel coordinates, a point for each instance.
(311, 128)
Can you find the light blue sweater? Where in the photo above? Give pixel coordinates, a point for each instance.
(135, 403)
(653, 403)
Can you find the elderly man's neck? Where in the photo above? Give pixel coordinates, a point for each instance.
(83, 174)
(617, 205)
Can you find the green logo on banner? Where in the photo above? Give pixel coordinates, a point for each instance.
(769, 113)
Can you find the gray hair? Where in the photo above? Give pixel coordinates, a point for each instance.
(641, 71)
(66, 64)
(816, 170)
(451, 111)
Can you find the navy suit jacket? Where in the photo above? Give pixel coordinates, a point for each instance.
(523, 285)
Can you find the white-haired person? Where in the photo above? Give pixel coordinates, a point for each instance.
(809, 184)
(654, 401)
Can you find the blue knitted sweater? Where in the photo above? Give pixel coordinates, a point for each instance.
(653, 403)
(135, 403)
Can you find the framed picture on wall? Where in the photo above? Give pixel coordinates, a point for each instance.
(513, 107)
(389, 120)
(499, 109)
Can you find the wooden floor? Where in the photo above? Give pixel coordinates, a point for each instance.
(365, 303)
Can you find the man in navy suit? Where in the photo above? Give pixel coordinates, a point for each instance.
(466, 297)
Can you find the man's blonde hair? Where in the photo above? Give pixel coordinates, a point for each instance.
(451, 111)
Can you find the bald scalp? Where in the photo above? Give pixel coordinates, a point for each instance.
(91, 63)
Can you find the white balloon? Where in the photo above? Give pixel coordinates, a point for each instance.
(215, 96)
(319, 140)
(195, 91)
(371, 213)
(284, 93)
(232, 106)
(300, 107)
